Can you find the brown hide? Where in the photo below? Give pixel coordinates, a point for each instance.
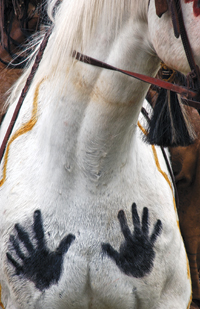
(186, 167)
(7, 79)
(8, 76)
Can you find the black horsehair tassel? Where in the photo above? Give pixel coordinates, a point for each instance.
(168, 126)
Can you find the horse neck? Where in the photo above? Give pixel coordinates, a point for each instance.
(93, 111)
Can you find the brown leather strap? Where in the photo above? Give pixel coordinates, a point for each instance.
(186, 93)
(175, 9)
(183, 33)
(24, 92)
(179, 29)
(161, 7)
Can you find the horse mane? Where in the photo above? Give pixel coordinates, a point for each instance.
(81, 17)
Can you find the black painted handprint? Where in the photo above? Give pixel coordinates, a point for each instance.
(40, 265)
(136, 255)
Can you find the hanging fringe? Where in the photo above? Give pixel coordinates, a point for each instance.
(169, 125)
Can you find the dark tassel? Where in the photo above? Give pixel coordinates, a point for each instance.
(198, 4)
(168, 126)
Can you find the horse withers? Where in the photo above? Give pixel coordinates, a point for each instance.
(88, 217)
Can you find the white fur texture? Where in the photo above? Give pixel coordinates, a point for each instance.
(84, 160)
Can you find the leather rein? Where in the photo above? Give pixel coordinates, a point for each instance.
(24, 92)
(190, 95)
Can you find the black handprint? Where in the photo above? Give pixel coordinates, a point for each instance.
(136, 255)
(41, 266)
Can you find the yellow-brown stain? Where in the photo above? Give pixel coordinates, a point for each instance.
(28, 126)
(1, 304)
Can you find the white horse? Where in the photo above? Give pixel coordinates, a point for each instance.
(87, 216)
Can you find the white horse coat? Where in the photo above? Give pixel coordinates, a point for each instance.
(81, 159)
